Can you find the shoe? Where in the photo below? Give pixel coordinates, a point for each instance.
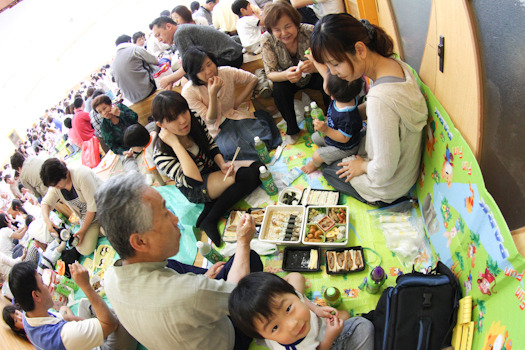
(291, 139)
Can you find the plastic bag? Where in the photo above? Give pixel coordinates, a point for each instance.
(91, 152)
(298, 106)
(403, 229)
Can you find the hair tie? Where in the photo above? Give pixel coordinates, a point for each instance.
(369, 28)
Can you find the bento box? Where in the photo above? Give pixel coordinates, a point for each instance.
(282, 224)
(326, 225)
(319, 197)
(290, 196)
(258, 215)
(345, 260)
(302, 259)
(230, 228)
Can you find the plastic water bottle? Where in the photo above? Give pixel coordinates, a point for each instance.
(332, 296)
(267, 180)
(262, 151)
(308, 120)
(317, 113)
(209, 252)
(375, 280)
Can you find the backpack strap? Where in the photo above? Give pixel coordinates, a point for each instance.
(443, 269)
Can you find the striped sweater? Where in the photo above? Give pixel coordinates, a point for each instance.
(170, 165)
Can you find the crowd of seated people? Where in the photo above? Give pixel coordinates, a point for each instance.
(192, 138)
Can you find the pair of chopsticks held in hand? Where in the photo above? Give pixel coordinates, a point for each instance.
(231, 165)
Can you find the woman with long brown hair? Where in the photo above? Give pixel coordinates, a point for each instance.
(396, 110)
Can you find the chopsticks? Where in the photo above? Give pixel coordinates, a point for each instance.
(233, 160)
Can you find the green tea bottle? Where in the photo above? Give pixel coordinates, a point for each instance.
(267, 181)
(262, 151)
(317, 113)
(308, 120)
(209, 253)
(332, 296)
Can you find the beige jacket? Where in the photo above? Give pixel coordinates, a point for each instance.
(85, 182)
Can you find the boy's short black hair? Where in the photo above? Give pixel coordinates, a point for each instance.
(137, 36)
(136, 136)
(254, 298)
(194, 6)
(53, 170)
(78, 102)
(122, 39)
(22, 282)
(29, 219)
(342, 90)
(17, 160)
(238, 5)
(67, 123)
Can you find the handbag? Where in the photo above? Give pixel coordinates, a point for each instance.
(91, 152)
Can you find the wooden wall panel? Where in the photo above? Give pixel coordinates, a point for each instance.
(351, 8)
(429, 62)
(458, 88)
(387, 21)
(368, 9)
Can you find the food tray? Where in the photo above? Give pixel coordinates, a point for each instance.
(230, 229)
(347, 266)
(290, 191)
(298, 259)
(258, 215)
(326, 223)
(277, 222)
(319, 197)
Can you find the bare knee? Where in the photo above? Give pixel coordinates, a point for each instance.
(296, 280)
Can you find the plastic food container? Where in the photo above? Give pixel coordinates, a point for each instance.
(289, 196)
(345, 260)
(319, 197)
(326, 225)
(230, 228)
(302, 259)
(258, 215)
(282, 224)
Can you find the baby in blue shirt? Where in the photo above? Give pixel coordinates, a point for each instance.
(343, 124)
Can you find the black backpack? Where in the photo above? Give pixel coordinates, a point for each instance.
(419, 312)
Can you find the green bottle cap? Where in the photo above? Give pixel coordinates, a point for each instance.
(307, 52)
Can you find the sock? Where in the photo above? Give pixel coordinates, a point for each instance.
(205, 211)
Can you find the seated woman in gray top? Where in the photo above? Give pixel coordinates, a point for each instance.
(395, 108)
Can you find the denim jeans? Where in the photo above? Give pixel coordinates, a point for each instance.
(357, 334)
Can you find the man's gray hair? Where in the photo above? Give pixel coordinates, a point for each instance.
(121, 210)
